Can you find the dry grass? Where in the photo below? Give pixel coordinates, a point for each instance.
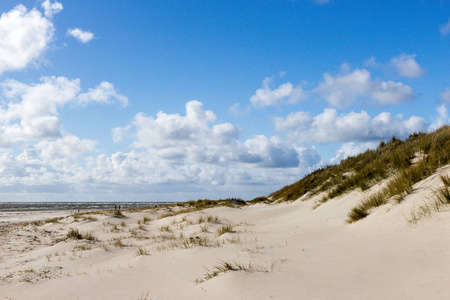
(397, 189)
(225, 267)
(212, 219)
(75, 234)
(369, 168)
(141, 251)
(224, 229)
(165, 229)
(118, 214)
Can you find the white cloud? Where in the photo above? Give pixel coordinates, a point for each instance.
(30, 111)
(194, 138)
(64, 150)
(345, 88)
(445, 28)
(331, 127)
(81, 35)
(25, 36)
(119, 133)
(352, 149)
(103, 93)
(202, 157)
(286, 93)
(441, 119)
(50, 9)
(406, 66)
(272, 152)
(445, 95)
(172, 130)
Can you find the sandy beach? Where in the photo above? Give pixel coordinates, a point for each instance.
(290, 250)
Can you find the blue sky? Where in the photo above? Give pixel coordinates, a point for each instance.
(180, 100)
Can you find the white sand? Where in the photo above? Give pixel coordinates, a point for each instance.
(294, 251)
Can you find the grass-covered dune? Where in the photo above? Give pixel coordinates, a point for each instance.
(405, 162)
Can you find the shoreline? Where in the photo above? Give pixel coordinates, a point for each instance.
(17, 217)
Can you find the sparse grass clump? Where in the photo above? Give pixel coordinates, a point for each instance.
(204, 228)
(165, 229)
(141, 251)
(443, 194)
(224, 229)
(441, 198)
(445, 180)
(212, 219)
(225, 267)
(118, 214)
(118, 242)
(83, 247)
(75, 234)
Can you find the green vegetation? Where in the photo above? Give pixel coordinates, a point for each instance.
(442, 197)
(369, 168)
(262, 199)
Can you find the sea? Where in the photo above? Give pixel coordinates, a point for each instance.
(81, 206)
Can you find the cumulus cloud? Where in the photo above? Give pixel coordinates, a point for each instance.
(286, 93)
(25, 36)
(271, 152)
(406, 66)
(346, 87)
(81, 35)
(51, 9)
(103, 93)
(30, 111)
(191, 150)
(172, 129)
(445, 28)
(329, 126)
(195, 138)
(65, 149)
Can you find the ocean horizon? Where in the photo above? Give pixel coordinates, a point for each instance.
(46, 206)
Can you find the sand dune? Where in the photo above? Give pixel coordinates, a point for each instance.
(277, 251)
